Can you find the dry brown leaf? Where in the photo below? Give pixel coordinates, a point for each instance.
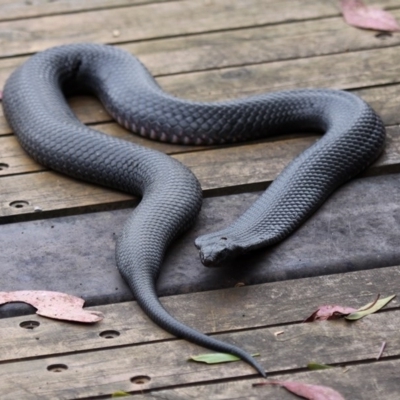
(356, 13)
(307, 391)
(53, 305)
(329, 312)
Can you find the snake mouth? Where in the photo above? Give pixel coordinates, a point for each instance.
(216, 252)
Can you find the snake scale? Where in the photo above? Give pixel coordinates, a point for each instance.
(35, 107)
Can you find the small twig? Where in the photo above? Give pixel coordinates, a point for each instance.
(381, 350)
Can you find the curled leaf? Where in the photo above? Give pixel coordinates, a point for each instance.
(54, 305)
(369, 308)
(304, 390)
(216, 358)
(356, 13)
(327, 312)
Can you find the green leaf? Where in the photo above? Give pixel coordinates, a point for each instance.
(120, 393)
(216, 358)
(369, 308)
(316, 366)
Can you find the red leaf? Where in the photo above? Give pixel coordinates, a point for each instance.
(310, 392)
(53, 305)
(356, 13)
(329, 312)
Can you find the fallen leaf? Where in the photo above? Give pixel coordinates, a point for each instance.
(216, 358)
(369, 308)
(356, 13)
(120, 393)
(54, 305)
(310, 392)
(327, 312)
(315, 366)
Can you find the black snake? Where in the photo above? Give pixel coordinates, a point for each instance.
(35, 107)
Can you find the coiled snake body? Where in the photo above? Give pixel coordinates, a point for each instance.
(37, 111)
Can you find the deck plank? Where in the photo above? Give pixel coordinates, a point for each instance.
(220, 49)
(153, 21)
(220, 171)
(273, 305)
(257, 45)
(353, 230)
(104, 371)
(22, 9)
(356, 382)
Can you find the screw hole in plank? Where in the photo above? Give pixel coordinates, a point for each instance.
(29, 324)
(109, 334)
(140, 379)
(19, 204)
(57, 368)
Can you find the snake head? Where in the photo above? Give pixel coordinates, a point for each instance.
(213, 251)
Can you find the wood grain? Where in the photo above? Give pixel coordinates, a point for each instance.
(105, 371)
(220, 171)
(10, 9)
(248, 80)
(368, 381)
(250, 307)
(154, 21)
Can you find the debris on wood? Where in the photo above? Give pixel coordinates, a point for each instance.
(328, 312)
(54, 305)
(357, 14)
(119, 393)
(216, 358)
(381, 350)
(370, 308)
(316, 366)
(306, 391)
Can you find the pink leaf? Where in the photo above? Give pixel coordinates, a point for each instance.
(310, 392)
(329, 312)
(356, 13)
(53, 305)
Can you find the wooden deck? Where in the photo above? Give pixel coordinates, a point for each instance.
(58, 233)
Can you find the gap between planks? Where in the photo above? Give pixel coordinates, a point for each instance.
(353, 382)
(152, 21)
(105, 371)
(273, 306)
(26, 9)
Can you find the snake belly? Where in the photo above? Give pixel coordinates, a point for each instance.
(35, 106)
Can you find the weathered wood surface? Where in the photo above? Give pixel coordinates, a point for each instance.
(28, 356)
(156, 20)
(204, 50)
(356, 382)
(357, 228)
(222, 171)
(236, 81)
(212, 312)
(17, 9)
